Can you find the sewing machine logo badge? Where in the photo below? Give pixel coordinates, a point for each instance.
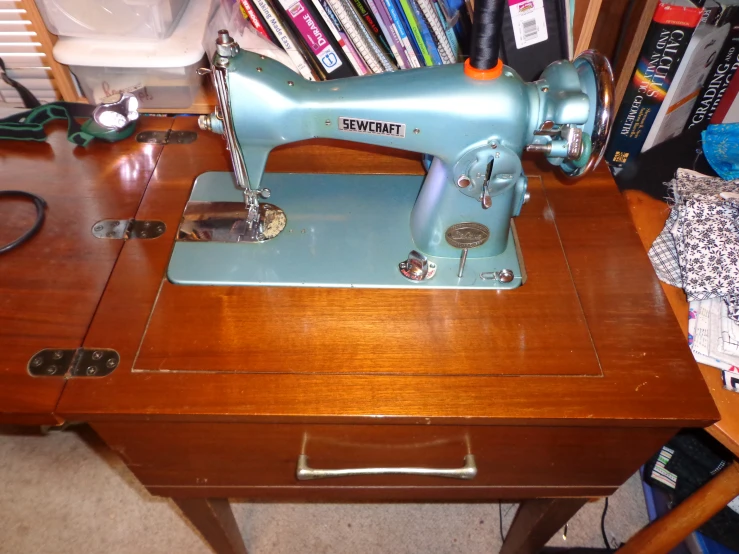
(372, 127)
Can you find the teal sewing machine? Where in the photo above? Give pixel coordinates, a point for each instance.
(450, 229)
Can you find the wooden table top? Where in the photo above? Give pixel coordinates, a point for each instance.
(50, 286)
(592, 317)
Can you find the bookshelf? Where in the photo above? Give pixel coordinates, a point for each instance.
(636, 32)
(585, 21)
(586, 18)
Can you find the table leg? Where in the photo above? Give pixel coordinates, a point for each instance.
(215, 521)
(536, 521)
(669, 530)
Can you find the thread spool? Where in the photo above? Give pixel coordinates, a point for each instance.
(486, 36)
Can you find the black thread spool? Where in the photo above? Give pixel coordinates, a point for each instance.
(487, 28)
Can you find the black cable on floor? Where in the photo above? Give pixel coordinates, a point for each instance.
(603, 527)
(40, 204)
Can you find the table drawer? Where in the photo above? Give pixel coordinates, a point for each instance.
(254, 454)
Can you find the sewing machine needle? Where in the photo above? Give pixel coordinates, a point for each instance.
(462, 261)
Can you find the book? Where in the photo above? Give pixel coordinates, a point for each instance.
(379, 52)
(388, 29)
(695, 66)
(434, 23)
(667, 39)
(719, 77)
(400, 29)
(371, 22)
(334, 25)
(317, 38)
(285, 38)
(259, 24)
(378, 47)
(418, 42)
(727, 110)
(448, 24)
(426, 35)
(357, 34)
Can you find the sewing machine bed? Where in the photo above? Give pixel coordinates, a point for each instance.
(327, 330)
(342, 231)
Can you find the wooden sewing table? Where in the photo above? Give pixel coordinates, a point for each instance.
(560, 389)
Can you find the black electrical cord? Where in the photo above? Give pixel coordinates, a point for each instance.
(603, 527)
(40, 204)
(29, 100)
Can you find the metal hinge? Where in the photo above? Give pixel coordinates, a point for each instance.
(80, 362)
(128, 229)
(167, 137)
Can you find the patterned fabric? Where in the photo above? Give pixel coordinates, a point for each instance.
(698, 248)
(663, 254)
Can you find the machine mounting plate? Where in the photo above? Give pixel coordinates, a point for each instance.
(342, 231)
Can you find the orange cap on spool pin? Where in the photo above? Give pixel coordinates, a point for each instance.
(483, 74)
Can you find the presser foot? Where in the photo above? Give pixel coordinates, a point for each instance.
(230, 222)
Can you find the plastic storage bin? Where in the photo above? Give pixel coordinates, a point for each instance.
(111, 19)
(162, 74)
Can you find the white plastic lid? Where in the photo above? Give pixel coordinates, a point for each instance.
(184, 46)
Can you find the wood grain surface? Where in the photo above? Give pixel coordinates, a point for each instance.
(669, 531)
(649, 217)
(248, 455)
(647, 369)
(50, 286)
(215, 521)
(536, 521)
(337, 330)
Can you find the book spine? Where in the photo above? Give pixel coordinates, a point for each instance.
(316, 37)
(355, 53)
(378, 51)
(355, 35)
(449, 31)
(418, 38)
(727, 107)
(255, 20)
(428, 39)
(437, 28)
(351, 54)
(400, 30)
(386, 26)
(286, 40)
(344, 36)
(664, 46)
(717, 82)
(372, 22)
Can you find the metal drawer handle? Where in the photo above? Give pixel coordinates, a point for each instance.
(306, 473)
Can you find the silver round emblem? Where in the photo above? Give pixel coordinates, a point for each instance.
(467, 235)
